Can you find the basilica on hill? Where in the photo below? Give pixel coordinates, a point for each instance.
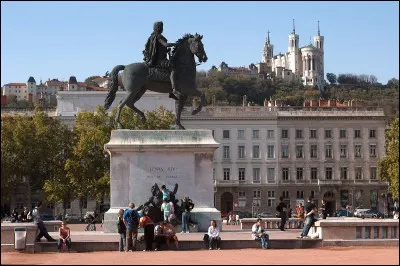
(298, 63)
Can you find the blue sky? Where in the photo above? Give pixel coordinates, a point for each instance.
(59, 39)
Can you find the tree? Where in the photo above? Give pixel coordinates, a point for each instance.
(393, 83)
(8, 162)
(58, 188)
(88, 164)
(331, 78)
(388, 166)
(89, 81)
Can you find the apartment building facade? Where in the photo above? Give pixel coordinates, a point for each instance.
(268, 152)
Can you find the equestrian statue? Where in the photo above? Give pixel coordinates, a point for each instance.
(176, 76)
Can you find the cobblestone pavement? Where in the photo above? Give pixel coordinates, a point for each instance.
(319, 256)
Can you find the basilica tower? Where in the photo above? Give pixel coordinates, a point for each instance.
(319, 43)
(268, 52)
(293, 51)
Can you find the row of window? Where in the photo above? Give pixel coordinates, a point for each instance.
(299, 151)
(270, 197)
(285, 174)
(299, 133)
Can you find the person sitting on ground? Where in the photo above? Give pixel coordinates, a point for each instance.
(166, 209)
(170, 234)
(121, 230)
(37, 219)
(259, 234)
(148, 227)
(64, 237)
(213, 235)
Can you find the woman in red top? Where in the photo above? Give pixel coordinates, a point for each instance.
(64, 236)
(147, 224)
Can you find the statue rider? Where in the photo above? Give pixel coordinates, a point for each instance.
(155, 54)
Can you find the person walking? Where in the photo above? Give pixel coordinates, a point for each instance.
(281, 209)
(37, 219)
(309, 217)
(131, 221)
(121, 230)
(187, 205)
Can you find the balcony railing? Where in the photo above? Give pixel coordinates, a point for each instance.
(329, 182)
(226, 182)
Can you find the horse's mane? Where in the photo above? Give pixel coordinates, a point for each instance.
(180, 42)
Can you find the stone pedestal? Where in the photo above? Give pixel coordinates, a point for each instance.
(141, 158)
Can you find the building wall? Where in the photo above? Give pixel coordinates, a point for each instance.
(69, 103)
(235, 118)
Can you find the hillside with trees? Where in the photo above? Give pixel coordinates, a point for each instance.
(221, 89)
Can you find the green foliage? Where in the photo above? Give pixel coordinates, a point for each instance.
(89, 81)
(155, 120)
(388, 166)
(31, 148)
(331, 78)
(393, 83)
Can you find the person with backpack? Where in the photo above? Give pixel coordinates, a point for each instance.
(131, 221)
(40, 224)
(121, 230)
(281, 209)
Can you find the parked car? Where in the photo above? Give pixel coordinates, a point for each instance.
(357, 211)
(265, 215)
(344, 213)
(370, 214)
(72, 217)
(47, 217)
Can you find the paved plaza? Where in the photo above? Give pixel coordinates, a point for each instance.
(319, 256)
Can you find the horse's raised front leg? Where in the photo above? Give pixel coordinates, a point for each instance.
(179, 108)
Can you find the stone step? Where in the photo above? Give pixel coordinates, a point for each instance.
(90, 246)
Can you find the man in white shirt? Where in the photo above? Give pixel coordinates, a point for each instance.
(259, 234)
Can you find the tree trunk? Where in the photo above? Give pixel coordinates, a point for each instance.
(29, 192)
(81, 207)
(64, 208)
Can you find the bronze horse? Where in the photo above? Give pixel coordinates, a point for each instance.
(137, 78)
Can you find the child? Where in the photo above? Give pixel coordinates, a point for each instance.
(121, 230)
(166, 208)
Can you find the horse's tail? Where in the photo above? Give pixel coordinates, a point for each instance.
(113, 86)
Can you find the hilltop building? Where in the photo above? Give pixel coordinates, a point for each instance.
(305, 64)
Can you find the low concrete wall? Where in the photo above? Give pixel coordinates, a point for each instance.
(272, 223)
(82, 246)
(8, 239)
(358, 229)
